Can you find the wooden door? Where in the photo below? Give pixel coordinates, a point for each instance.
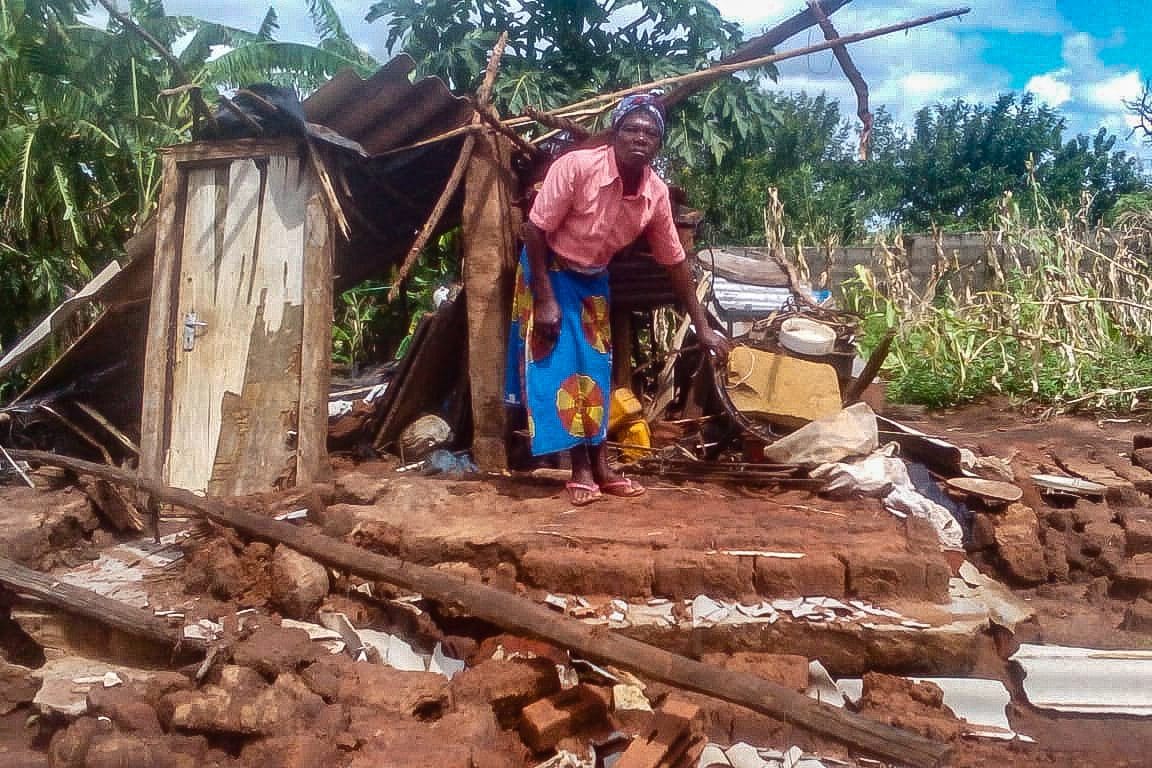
(237, 362)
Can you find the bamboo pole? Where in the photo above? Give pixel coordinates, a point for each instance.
(516, 614)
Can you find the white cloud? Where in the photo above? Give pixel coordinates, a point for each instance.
(1050, 88)
(1111, 92)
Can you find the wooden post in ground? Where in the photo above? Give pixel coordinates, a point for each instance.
(489, 242)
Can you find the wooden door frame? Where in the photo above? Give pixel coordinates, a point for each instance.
(162, 332)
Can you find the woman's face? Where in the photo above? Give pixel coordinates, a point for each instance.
(637, 140)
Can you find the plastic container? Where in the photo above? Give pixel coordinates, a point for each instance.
(635, 433)
(622, 408)
(806, 337)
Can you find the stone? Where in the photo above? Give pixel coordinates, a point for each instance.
(983, 531)
(614, 571)
(915, 706)
(214, 568)
(815, 574)
(271, 650)
(681, 574)
(1142, 457)
(299, 583)
(1134, 577)
(786, 669)
(507, 686)
(17, 686)
(545, 722)
(414, 695)
(300, 749)
(127, 707)
(1018, 546)
(893, 575)
(1086, 512)
(1060, 519)
(1138, 533)
(360, 489)
(37, 523)
(1138, 617)
(242, 703)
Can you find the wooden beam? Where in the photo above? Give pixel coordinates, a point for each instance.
(516, 614)
(316, 353)
(159, 352)
(90, 605)
(489, 243)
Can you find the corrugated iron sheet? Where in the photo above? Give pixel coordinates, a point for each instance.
(387, 110)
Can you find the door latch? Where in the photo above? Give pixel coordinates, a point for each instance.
(192, 324)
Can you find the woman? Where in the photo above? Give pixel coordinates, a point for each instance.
(593, 203)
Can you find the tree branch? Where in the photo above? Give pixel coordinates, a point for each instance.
(851, 72)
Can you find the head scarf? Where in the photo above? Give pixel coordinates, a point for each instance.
(647, 102)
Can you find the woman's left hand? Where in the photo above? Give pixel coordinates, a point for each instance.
(713, 343)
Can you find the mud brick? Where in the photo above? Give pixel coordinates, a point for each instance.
(616, 571)
(1138, 617)
(983, 531)
(1018, 545)
(545, 723)
(684, 574)
(1056, 554)
(812, 575)
(889, 575)
(1087, 512)
(1142, 457)
(673, 731)
(1134, 577)
(1138, 534)
(1140, 478)
(508, 686)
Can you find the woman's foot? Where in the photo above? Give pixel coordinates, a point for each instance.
(582, 493)
(625, 487)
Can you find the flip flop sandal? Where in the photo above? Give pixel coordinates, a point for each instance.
(624, 487)
(593, 490)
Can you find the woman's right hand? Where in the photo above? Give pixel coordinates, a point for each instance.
(545, 326)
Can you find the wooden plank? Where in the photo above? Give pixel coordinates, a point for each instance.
(435, 367)
(316, 353)
(193, 433)
(396, 384)
(255, 452)
(516, 614)
(90, 605)
(215, 152)
(159, 348)
(733, 266)
(488, 258)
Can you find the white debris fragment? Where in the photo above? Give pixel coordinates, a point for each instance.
(706, 611)
(337, 408)
(205, 629)
(297, 514)
(393, 651)
(617, 618)
(111, 679)
(557, 602)
(756, 611)
(821, 686)
(444, 665)
(744, 755)
(656, 601)
(1087, 680)
(629, 697)
(793, 757)
(915, 624)
(757, 553)
(620, 605)
(713, 755)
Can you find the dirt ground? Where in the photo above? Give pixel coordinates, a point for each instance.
(519, 534)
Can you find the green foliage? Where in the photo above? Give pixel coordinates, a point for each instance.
(561, 52)
(1061, 317)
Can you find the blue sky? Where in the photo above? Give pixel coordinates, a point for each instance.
(1083, 57)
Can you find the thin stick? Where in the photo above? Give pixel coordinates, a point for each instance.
(79, 431)
(112, 429)
(716, 72)
(433, 140)
(489, 115)
(484, 95)
(16, 467)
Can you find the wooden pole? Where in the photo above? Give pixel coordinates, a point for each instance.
(484, 96)
(764, 44)
(89, 605)
(705, 76)
(515, 614)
